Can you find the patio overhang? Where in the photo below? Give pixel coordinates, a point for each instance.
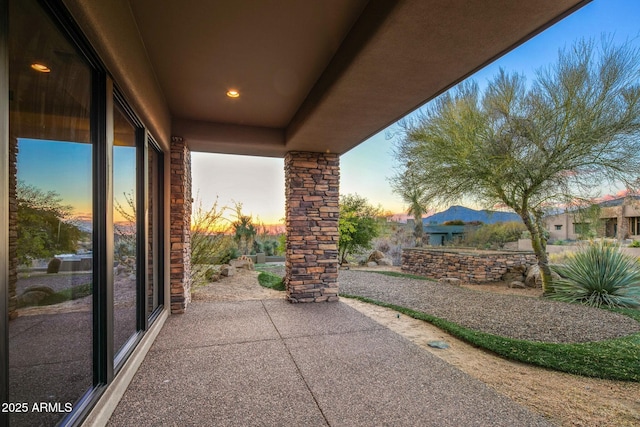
(312, 76)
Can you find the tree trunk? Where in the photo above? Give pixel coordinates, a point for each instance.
(417, 233)
(539, 244)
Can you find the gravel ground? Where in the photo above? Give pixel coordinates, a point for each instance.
(531, 319)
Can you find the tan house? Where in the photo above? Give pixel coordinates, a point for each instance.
(619, 218)
(101, 104)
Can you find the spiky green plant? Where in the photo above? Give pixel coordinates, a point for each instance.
(599, 275)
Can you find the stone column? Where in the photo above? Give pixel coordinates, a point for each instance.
(311, 214)
(13, 227)
(180, 225)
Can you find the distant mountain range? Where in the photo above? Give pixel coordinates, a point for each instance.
(469, 215)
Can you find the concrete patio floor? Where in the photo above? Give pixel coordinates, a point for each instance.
(272, 363)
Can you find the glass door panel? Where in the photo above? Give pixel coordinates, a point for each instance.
(125, 229)
(51, 218)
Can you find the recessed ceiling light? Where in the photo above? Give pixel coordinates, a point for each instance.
(40, 67)
(232, 93)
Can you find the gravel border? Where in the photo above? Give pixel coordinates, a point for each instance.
(526, 318)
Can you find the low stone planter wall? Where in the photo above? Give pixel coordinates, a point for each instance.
(469, 266)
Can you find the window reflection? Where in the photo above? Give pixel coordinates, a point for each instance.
(50, 236)
(125, 237)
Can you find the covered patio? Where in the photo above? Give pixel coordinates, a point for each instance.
(265, 362)
(305, 81)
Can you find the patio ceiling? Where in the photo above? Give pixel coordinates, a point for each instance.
(312, 75)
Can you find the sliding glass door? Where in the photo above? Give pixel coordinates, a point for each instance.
(51, 219)
(81, 267)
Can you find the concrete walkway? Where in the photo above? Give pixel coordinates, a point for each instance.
(272, 363)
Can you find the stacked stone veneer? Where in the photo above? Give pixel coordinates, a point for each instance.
(13, 227)
(311, 215)
(470, 267)
(180, 223)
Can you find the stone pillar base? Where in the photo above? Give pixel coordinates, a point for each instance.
(180, 226)
(312, 210)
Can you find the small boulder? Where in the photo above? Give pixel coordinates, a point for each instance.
(33, 295)
(243, 262)
(385, 261)
(54, 266)
(227, 270)
(516, 284)
(450, 281)
(513, 276)
(534, 278)
(121, 269)
(372, 264)
(375, 256)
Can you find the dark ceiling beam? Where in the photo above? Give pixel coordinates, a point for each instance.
(230, 139)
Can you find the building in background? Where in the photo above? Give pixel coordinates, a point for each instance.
(617, 218)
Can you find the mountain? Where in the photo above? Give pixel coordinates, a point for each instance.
(468, 215)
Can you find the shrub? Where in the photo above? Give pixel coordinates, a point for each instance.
(635, 244)
(358, 225)
(454, 222)
(493, 235)
(272, 281)
(393, 237)
(599, 275)
(560, 257)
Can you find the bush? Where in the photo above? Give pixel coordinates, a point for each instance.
(600, 275)
(393, 237)
(494, 235)
(54, 266)
(635, 244)
(272, 281)
(561, 257)
(358, 225)
(210, 242)
(454, 222)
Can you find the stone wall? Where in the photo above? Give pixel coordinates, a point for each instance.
(180, 223)
(311, 215)
(13, 227)
(471, 267)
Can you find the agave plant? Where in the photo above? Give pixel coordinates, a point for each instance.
(599, 275)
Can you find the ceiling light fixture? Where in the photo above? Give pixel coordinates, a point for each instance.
(232, 93)
(40, 67)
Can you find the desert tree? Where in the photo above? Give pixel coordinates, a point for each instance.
(45, 225)
(210, 238)
(244, 230)
(408, 186)
(529, 147)
(358, 225)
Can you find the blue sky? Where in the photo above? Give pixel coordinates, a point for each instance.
(365, 169)
(65, 168)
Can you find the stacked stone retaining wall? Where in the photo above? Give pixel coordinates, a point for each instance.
(471, 267)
